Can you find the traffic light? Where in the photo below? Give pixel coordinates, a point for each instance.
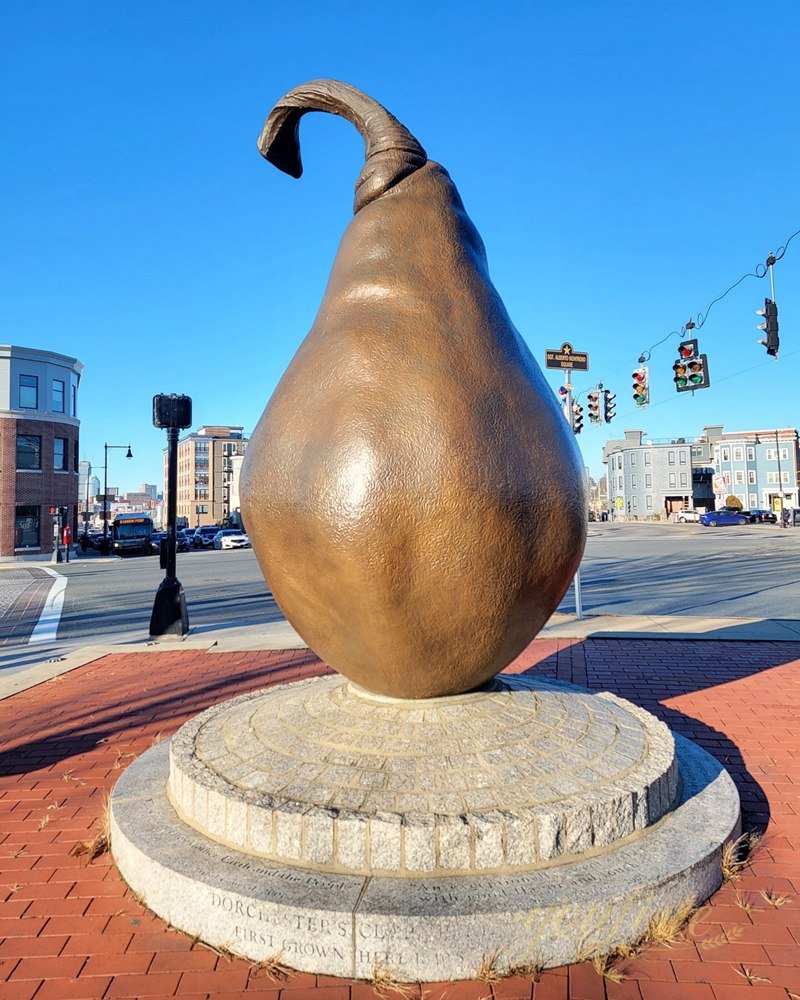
(641, 386)
(770, 327)
(593, 397)
(577, 417)
(691, 368)
(609, 407)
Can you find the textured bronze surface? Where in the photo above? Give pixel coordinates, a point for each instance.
(413, 493)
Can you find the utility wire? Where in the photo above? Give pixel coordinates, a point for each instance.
(760, 271)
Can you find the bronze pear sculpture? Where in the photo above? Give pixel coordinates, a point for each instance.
(413, 493)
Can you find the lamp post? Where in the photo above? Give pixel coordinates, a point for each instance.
(106, 448)
(85, 539)
(170, 615)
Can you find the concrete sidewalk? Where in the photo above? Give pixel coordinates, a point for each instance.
(24, 666)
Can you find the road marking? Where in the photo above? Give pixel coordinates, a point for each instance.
(46, 629)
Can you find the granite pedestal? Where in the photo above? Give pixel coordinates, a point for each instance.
(349, 833)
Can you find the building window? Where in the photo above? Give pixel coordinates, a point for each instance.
(738, 455)
(75, 460)
(29, 452)
(772, 478)
(648, 502)
(753, 500)
(26, 527)
(671, 458)
(28, 392)
(633, 458)
(751, 477)
(683, 458)
(772, 454)
(60, 454)
(683, 479)
(58, 395)
(619, 484)
(738, 477)
(726, 454)
(785, 478)
(648, 480)
(751, 454)
(648, 458)
(635, 503)
(633, 481)
(74, 401)
(672, 479)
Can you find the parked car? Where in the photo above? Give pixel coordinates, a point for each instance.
(715, 518)
(682, 516)
(763, 516)
(183, 540)
(231, 538)
(155, 541)
(203, 538)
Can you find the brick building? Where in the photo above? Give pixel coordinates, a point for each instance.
(38, 447)
(205, 474)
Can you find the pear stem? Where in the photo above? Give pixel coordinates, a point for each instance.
(392, 152)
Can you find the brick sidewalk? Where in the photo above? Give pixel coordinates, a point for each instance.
(70, 928)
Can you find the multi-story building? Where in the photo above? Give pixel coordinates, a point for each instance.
(150, 489)
(760, 469)
(648, 478)
(205, 472)
(38, 447)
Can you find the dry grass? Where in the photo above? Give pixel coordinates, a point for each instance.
(773, 899)
(531, 969)
(736, 854)
(384, 981)
(489, 969)
(118, 763)
(750, 976)
(43, 822)
(667, 926)
(14, 887)
(99, 844)
(273, 968)
(607, 967)
(744, 901)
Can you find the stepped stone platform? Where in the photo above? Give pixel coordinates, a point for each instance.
(347, 832)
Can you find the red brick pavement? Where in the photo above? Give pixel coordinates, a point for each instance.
(70, 928)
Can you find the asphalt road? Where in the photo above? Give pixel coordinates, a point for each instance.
(751, 571)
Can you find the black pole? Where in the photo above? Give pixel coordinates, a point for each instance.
(170, 615)
(104, 545)
(172, 500)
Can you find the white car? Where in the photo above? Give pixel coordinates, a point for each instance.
(231, 538)
(683, 516)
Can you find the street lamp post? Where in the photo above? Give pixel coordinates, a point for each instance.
(106, 448)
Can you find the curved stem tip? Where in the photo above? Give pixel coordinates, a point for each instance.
(392, 152)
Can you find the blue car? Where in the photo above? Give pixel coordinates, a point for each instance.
(717, 517)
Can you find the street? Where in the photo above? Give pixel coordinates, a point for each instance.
(628, 569)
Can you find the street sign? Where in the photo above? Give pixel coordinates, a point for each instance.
(567, 357)
(619, 502)
(102, 497)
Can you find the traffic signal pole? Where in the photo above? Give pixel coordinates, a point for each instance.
(577, 579)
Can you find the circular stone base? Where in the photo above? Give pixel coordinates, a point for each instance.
(427, 928)
(324, 775)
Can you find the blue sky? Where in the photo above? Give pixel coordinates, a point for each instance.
(623, 162)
